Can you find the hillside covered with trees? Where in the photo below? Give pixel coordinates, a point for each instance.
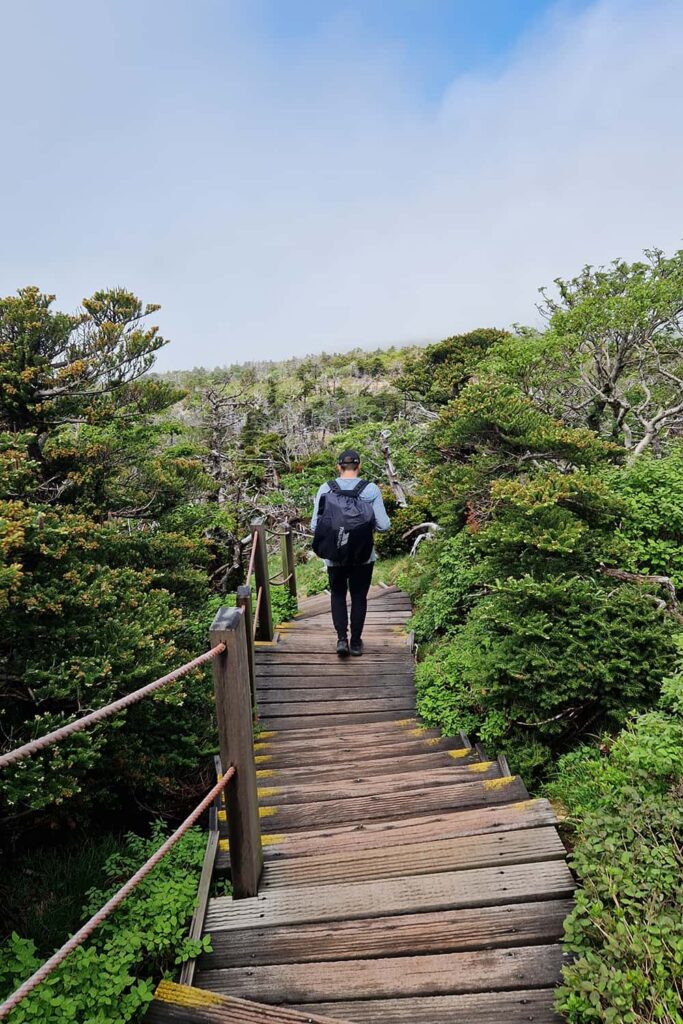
(535, 483)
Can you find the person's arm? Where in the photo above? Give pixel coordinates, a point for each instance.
(382, 520)
(323, 489)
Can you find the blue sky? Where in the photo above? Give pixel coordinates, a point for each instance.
(288, 176)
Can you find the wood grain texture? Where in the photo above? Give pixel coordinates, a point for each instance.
(486, 970)
(447, 931)
(530, 1006)
(180, 1004)
(291, 817)
(516, 847)
(447, 890)
(378, 785)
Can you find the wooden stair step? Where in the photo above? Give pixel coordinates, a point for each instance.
(378, 835)
(274, 790)
(345, 705)
(447, 931)
(408, 894)
(486, 970)
(326, 771)
(292, 693)
(298, 721)
(329, 756)
(461, 795)
(530, 1006)
(438, 855)
(183, 1004)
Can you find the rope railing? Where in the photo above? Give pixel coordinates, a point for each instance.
(110, 906)
(252, 559)
(280, 583)
(257, 610)
(33, 746)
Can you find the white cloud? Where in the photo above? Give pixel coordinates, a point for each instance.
(278, 208)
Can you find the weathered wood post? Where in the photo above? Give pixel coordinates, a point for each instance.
(264, 626)
(288, 563)
(235, 735)
(244, 602)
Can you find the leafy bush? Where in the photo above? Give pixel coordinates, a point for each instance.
(110, 979)
(626, 931)
(652, 526)
(445, 577)
(538, 662)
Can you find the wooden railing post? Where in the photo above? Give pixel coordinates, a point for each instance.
(264, 626)
(244, 602)
(288, 563)
(235, 735)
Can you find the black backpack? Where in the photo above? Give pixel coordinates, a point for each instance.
(345, 526)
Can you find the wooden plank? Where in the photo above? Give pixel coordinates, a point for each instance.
(465, 853)
(289, 692)
(234, 715)
(459, 796)
(320, 721)
(196, 928)
(486, 970)
(448, 931)
(326, 771)
(267, 757)
(517, 883)
(407, 727)
(350, 705)
(356, 671)
(378, 785)
(378, 835)
(521, 1007)
(275, 655)
(181, 1004)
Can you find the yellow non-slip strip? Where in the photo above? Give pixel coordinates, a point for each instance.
(270, 839)
(498, 783)
(480, 766)
(263, 812)
(184, 995)
(265, 773)
(462, 752)
(267, 791)
(261, 758)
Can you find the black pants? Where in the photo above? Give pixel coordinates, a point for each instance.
(356, 579)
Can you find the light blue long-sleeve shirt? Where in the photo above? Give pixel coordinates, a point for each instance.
(370, 493)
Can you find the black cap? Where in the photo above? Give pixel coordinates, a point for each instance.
(349, 457)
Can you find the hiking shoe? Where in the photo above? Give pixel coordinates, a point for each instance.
(343, 647)
(356, 648)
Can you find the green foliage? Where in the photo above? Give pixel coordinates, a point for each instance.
(110, 978)
(652, 524)
(536, 662)
(438, 373)
(446, 576)
(626, 931)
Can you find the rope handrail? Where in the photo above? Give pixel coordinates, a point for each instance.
(33, 746)
(103, 913)
(252, 560)
(280, 583)
(257, 610)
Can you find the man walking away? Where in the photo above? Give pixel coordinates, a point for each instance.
(347, 511)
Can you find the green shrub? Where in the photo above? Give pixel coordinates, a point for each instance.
(537, 663)
(444, 578)
(110, 979)
(626, 806)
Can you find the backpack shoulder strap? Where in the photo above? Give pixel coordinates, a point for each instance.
(334, 486)
(359, 488)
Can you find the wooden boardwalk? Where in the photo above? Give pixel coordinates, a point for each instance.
(406, 879)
